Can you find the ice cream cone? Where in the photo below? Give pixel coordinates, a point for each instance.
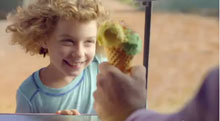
(118, 57)
(121, 44)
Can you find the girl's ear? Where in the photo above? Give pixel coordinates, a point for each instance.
(43, 44)
(43, 48)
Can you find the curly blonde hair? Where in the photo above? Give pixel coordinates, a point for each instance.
(31, 25)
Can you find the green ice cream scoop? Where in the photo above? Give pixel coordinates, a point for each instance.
(133, 43)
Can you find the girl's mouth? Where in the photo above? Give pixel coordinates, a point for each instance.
(76, 64)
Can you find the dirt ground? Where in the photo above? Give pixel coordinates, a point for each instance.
(183, 48)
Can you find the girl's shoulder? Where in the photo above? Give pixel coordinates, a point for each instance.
(93, 66)
(99, 59)
(28, 86)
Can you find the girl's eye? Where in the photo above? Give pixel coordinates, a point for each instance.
(68, 42)
(90, 41)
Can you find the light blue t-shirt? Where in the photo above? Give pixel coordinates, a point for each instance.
(34, 97)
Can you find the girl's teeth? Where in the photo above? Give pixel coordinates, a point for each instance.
(77, 63)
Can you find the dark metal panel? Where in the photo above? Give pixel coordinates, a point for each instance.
(147, 36)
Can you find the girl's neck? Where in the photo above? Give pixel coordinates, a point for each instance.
(54, 79)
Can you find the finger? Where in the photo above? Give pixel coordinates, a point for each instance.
(95, 94)
(75, 112)
(138, 73)
(102, 85)
(106, 76)
(58, 112)
(98, 101)
(107, 67)
(103, 66)
(94, 105)
(64, 112)
(109, 76)
(100, 78)
(98, 94)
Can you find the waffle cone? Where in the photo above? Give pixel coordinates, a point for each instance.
(118, 57)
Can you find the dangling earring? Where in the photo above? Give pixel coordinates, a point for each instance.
(43, 51)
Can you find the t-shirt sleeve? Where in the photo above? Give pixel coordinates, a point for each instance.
(101, 58)
(23, 103)
(104, 59)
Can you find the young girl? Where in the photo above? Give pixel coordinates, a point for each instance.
(65, 30)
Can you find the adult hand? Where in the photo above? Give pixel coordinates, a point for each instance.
(118, 94)
(68, 112)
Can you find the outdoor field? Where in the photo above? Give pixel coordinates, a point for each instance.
(183, 48)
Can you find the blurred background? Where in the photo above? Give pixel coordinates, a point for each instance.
(184, 47)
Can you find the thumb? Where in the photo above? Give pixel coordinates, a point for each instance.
(75, 112)
(138, 73)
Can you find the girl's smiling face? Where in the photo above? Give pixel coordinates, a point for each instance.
(71, 46)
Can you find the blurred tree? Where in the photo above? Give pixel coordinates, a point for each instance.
(207, 7)
(7, 6)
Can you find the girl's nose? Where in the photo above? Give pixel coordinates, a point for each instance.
(78, 51)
